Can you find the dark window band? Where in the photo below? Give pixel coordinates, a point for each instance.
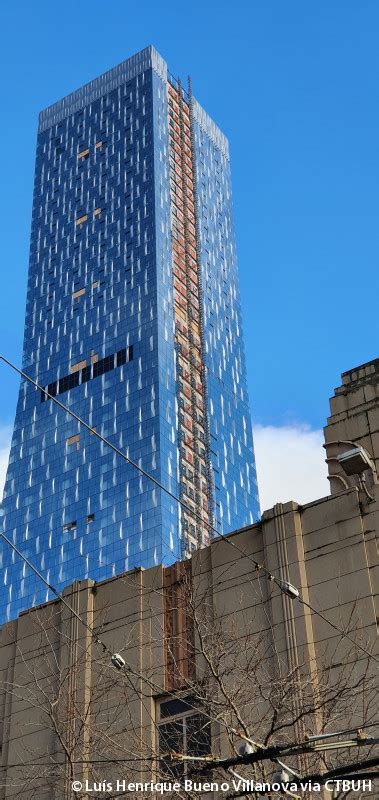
(88, 373)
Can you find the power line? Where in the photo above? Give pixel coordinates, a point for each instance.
(284, 587)
(211, 762)
(324, 778)
(113, 447)
(272, 753)
(260, 754)
(134, 760)
(344, 771)
(125, 668)
(49, 585)
(357, 730)
(60, 597)
(332, 625)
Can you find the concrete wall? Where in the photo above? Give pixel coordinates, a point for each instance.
(58, 689)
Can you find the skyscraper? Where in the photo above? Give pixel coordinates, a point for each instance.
(133, 322)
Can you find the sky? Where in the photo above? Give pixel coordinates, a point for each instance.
(294, 87)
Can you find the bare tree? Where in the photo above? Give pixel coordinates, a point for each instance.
(243, 684)
(226, 681)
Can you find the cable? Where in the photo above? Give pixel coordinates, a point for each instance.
(115, 658)
(49, 585)
(62, 600)
(263, 753)
(113, 447)
(207, 763)
(284, 587)
(189, 510)
(358, 776)
(344, 771)
(271, 752)
(336, 628)
(134, 760)
(125, 668)
(357, 729)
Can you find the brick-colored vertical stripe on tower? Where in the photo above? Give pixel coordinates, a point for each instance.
(195, 486)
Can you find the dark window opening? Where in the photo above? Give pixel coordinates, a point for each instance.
(70, 526)
(121, 357)
(87, 373)
(182, 729)
(69, 382)
(102, 366)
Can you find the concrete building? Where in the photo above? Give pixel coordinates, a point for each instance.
(215, 653)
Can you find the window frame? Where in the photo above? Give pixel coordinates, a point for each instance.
(180, 770)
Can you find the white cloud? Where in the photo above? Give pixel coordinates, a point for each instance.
(5, 443)
(290, 464)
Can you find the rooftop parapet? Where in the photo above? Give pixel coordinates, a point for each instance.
(148, 58)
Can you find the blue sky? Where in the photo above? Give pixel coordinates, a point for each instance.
(294, 86)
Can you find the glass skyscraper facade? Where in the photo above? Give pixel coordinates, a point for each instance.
(133, 322)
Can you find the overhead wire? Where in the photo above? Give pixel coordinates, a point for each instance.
(257, 566)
